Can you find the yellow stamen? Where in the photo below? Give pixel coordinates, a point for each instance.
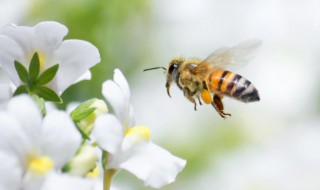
(138, 133)
(40, 165)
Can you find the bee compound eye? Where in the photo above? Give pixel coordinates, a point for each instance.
(173, 67)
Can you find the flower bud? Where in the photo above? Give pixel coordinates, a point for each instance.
(83, 162)
(86, 113)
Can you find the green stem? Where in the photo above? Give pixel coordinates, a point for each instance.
(107, 178)
(108, 173)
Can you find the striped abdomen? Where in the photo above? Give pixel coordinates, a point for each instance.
(227, 83)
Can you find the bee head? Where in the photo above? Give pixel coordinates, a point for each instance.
(172, 71)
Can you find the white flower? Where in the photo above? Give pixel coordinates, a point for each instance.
(75, 57)
(129, 147)
(31, 148)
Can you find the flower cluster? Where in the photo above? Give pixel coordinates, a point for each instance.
(78, 149)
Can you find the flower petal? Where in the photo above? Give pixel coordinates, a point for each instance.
(31, 181)
(122, 82)
(50, 33)
(5, 93)
(23, 108)
(25, 37)
(108, 133)
(45, 36)
(66, 182)
(75, 58)
(9, 52)
(152, 164)
(115, 96)
(60, 138)
(13, 139)
(85, 76)
(10, 172)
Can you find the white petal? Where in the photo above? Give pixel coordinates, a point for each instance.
(60, 139)
(67, 182)
(49, 36)
(44, 37)
(122, 82)
(115, 96)
(10, 172)
(50, 106)
(154, 165)
(50, 33)
(31, 181)
(85, 76)
(5, 92)
(24, 36)
(26, 111)
(9, 52)
(108, 133)
(13, 138)
(75, 58)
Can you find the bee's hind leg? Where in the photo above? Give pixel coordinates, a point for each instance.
(188, 94)
(218, 105)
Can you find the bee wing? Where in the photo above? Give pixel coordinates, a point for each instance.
(238, 55)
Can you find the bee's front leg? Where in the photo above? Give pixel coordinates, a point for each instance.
(188, 94)
(218, 105)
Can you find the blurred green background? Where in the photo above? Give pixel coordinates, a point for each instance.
(272, 144)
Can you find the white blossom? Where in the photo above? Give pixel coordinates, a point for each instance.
(34, 149)
(75, 57)
(129, 146)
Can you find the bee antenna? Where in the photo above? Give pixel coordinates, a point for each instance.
(153, 68)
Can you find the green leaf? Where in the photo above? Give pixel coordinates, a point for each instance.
(83, 106)
(66, 168)
(82, 114)
(48, 75)
(20, 90)
(34, 67)
(22, 71)
(48, 94)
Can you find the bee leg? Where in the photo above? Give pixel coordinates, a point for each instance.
(199, 100)
(218, 105)
(187, 93)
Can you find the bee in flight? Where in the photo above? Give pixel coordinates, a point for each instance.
(209, 80)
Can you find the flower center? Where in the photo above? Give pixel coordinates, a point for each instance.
(40, 165)
(42, 61)
(138, 133)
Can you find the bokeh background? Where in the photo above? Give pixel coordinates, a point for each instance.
(272, 144)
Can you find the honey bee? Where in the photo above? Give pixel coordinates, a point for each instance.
(209, 80)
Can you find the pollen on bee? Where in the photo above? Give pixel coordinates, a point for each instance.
(206, 96)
